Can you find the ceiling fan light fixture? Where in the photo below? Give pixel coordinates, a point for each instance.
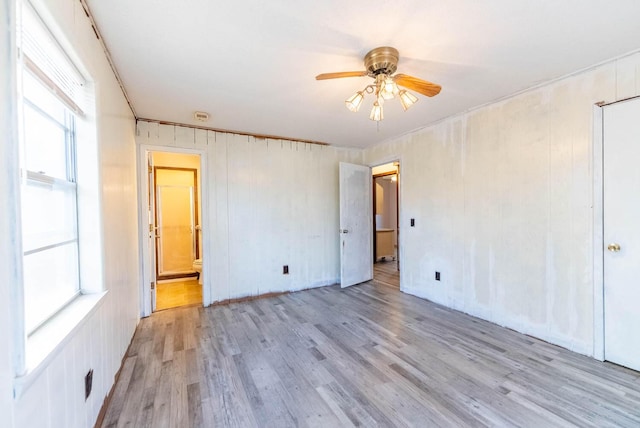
(354, 102)
(376, 112)
(407, 99)
(381, 64)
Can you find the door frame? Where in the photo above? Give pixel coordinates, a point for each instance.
(144, 250)
(598, 231)
(399, 207)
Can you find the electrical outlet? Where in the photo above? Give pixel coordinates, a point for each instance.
(437, 276)
(88, 383)
(285, 270)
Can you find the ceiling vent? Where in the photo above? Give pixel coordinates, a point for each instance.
(201, 116)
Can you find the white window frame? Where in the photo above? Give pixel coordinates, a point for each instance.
(36, 178)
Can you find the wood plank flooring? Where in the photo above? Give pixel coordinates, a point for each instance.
(172, 294)
(367, 355)
(386, 272)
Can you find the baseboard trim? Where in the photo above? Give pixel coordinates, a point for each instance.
(264, 296)
(248, 298)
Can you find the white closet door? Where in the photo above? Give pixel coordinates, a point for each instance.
(622, 233)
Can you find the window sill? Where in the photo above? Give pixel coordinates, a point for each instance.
(43, 345)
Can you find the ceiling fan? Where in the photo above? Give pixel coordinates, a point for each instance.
(380, 64)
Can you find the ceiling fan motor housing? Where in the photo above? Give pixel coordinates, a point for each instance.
(382, 60)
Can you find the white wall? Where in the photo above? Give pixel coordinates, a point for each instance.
(502, 198)
(55, 395)
(8, 212)
(271, 203)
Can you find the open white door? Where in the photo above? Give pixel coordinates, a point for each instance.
(622, 233)
(355, 224)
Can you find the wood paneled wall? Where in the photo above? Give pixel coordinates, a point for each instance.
(271, 203)
(503, 199)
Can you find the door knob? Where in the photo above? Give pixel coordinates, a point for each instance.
(613, 247)
(344, 231)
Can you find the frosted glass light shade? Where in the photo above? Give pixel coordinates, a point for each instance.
(389, 89)
(354, 102)
(376, 112)
(407, 99)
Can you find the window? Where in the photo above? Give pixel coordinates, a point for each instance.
(49, 87)
(49, 220)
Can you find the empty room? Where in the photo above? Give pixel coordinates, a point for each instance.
(319, 214)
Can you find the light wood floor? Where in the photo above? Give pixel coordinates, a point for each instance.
(178, 293)
(387, 273)
(367, 355)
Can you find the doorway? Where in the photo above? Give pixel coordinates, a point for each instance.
(174, 208)
(386, 230)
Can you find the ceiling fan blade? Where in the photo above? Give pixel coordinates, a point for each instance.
(325, 76)
(422, 86)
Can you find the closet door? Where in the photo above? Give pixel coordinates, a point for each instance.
(622, 233)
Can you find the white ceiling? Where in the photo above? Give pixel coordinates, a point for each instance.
(251, 64)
